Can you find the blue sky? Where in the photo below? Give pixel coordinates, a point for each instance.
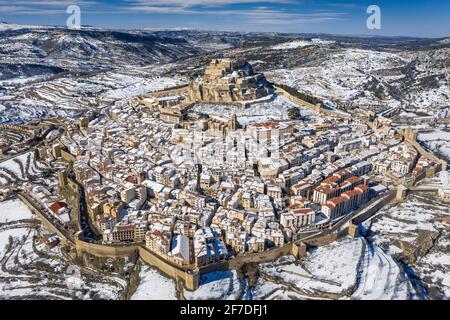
(398, 17)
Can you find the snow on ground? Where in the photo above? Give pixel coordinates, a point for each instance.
(300, 44)
(444, 179)
(11, 26)
(257, 113)
(327, 272)
(22, 80)
(341, 77)
(69, 96)
(14, 166)
(336, 262)
(292, 45)
(265, 290)
(372, 80)
(345, 269)
(380, 278)
(32, 271)
(14, 210)
(437, 140)
(139, 87)
(5, 236)
(154, 286)
(410, 225)
(220, 285)
(406, 220)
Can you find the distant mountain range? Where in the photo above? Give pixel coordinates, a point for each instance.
(47, 49)
(399, 75)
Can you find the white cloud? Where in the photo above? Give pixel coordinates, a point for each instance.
(259, 15)
(208, 2)
(258, 12)
(40, 7)
(47, 3)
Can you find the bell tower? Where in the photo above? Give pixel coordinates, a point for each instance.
(233, 123)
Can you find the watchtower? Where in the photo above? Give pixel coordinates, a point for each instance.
(402, 192)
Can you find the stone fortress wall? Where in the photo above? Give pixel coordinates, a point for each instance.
(190, 277)
(215, 87)
(227, 81)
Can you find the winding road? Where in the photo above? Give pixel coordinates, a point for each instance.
(380, 278)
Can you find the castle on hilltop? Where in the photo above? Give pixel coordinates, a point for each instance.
(227, 81)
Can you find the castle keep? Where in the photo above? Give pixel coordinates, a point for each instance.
(227, 81)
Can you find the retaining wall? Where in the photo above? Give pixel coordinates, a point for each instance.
(67, 156)
(102, 250)
(169, 91)
(191, 278)
(371, 211)
(45, 222)
(311, 106)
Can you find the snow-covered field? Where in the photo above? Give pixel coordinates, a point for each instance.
(380, 278)
(403, 222)
(68, 96)
(11, 170)
(32, 271)
(13, 166)
(417, 230)
(346, 269)
(133, 87)
(327, 272)
(437, 140)
(374, 80)
(154, 286)
(257, 113)
(14, 210)
(301, 43)
(337, 262)
(221, 285)
(292, 45)
(342, 76)
(213, 286)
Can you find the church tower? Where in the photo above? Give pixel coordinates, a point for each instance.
(233, 123)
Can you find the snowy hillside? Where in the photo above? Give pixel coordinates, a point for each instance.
(413, 82)
(30, 270)
(416, 232)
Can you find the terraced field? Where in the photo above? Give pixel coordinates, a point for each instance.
(29, 270)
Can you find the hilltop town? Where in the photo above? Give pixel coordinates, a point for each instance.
(194, 189)
(227, 81)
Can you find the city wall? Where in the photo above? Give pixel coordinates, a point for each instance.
(323, 240)
(311, 106)
(260, 257)
(45, 222)
(191, 278)
(102, 250)
(67, 156)
(168, 91)
(411, 137)
(297, 250)
(371, 211)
